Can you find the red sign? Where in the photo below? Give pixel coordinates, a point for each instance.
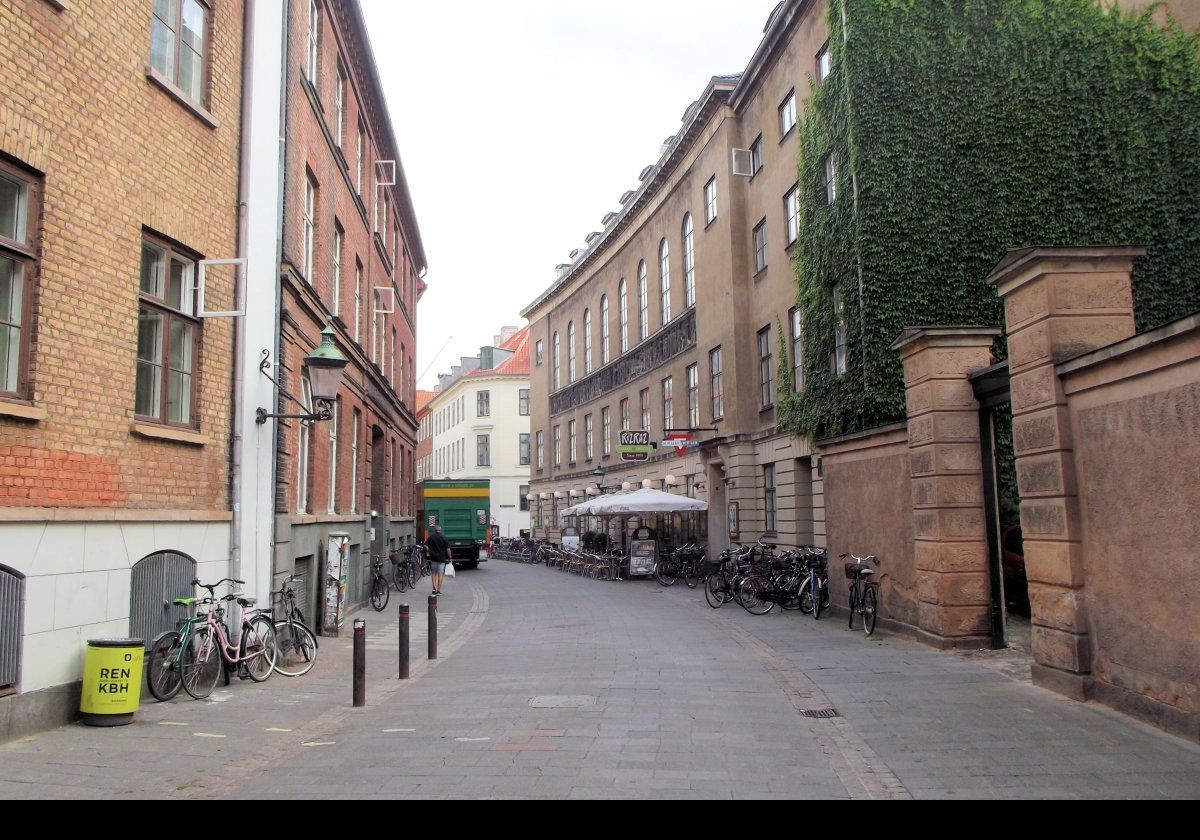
(679, 442)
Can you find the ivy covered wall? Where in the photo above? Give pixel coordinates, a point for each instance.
(961, 129)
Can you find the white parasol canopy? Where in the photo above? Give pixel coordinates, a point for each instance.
(636, 501)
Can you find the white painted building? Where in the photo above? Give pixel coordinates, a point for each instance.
(478, 427)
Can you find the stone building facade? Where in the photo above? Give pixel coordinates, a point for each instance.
(119, 151)
(353, 258)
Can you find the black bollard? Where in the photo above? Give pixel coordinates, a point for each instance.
(360, 663)
(404, 652)
(433, 627)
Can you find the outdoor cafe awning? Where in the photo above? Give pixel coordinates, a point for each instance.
(636, 501)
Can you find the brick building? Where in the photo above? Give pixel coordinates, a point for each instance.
(114, 392)
(352, 257)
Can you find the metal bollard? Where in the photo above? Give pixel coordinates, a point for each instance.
(404, 652)
(433, 627)
(360, 663)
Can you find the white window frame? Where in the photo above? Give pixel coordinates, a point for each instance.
(689, 262)
(710, 201)
(338, 238)
(605, 353)
(664, 274)
(334, 418)
(787, 115)
(643, 302)
(760, 247)
(587, 342)
(303, 448)
(623, 315)
(791, 214)
(310, 228)
(312, 66)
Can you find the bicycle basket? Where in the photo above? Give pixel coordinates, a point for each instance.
(852, 571)
(708, 567)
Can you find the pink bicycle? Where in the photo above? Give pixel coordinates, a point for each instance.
(207, 649)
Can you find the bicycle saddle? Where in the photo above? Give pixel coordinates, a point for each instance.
(247, 602)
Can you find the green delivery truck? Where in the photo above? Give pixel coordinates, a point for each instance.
(463, 510)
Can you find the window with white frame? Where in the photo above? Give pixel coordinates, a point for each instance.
(710, 201)
(558, 446)
(587, 341)
(589, 436)
(357, 417)
(716, 383)
(689, 262)
(664, 275)
(541, 450)
(791, 214)
(623, 316)
(770, 510)
(787, 114)
(645, 406)
(824, 63)
(572, 441)
(310, 227)
(313, 64)
(334, 419)
(361, 155)
(570, 352)
(839, 331)
(693, 388)
(483, 404)
(829, 167)
(604, 349)
(625, 416)
(606, 431)
(555, 361)
(643, 301)
(766, 372)
(303, 444)
(539, 352)
(797, 319)
(756, 156)
(760, 246)
(668, 403)
(358, 291)
(339, 108)
(336, 280)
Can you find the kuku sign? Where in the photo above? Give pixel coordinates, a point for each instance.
(634, 445)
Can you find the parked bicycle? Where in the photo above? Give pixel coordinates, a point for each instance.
(381, 588)
(295, 643)
(407, 571)
(682, 563)
(207, 648)
(163, 658)
(864, 590)
(814, 591)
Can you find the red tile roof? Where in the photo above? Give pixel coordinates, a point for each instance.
(424, 398)
(515, 365)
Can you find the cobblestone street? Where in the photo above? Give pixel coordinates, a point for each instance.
(553, 686)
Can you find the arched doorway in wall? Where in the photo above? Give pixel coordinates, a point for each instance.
(12, 622)
(156, 581)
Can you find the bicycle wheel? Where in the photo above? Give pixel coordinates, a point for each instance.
(715, 589)
(295, 649)
(201, 663)
(400, 576)
(666, 573)
(380, 593)
(869, 611)
(258, 648)
(853, 603)
(806, 601)
(690, 576)
(753, 592)
(819, 601)
(162, 665)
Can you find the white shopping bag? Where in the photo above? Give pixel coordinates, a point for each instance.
(449, 570)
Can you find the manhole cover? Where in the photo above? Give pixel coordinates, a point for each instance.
(562, 701)
(820, 713)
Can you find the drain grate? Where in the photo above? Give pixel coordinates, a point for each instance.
(820, 713)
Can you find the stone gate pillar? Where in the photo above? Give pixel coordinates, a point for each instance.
(1058, 303)
(947, 481)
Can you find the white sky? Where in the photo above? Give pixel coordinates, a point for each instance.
(521, 123)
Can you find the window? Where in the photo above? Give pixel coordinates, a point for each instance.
(766, 381)
(756, 156)
(689, 263)
(524, 449)
(483, 450)
(539, 352)
(354, 461)
(358, 278)
(605, 432)
(718, 391)
(829, 167)
(668, 403)
(710, 201)
(625, 416)
(791, 214)
(178, 44)
(770, 514)
(787, 115)
(693, 386)
(760, 246)
(302, 448)
(313, 64)
(797, 320)
(339, 107)
(336, 280)
(334, 419)
(523, 402)
(604, 352)
(589, 438)
(558, 446)
(19, 196)
(570, 352)
(824, 63)
(362, 140)
(645, 405)
(310, 227)
(524, 497)
(572, 440)
(168, 333)
(483, 404)
(555, 361)
(541, 450)
(643, 302)
(587, 341)
(664, 273)
(623, 315)
(839, 331)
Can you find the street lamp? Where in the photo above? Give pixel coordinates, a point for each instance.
(324, 367)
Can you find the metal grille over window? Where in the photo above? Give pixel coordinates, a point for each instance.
(12, 596)
(155, 582)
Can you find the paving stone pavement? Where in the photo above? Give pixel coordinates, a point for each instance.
(552, 686)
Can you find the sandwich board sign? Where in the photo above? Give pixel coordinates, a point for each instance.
(634, 445)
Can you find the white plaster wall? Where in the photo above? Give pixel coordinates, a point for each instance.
(77, 583)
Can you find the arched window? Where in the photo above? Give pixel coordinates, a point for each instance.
(155, 582)
(556, 362)
(587, 341)
(689, 262)
(604, 354)
(643, 302)
(664, 274)
(570, 352)
(623, 315)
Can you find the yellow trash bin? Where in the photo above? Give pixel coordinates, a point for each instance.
(112, 681)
